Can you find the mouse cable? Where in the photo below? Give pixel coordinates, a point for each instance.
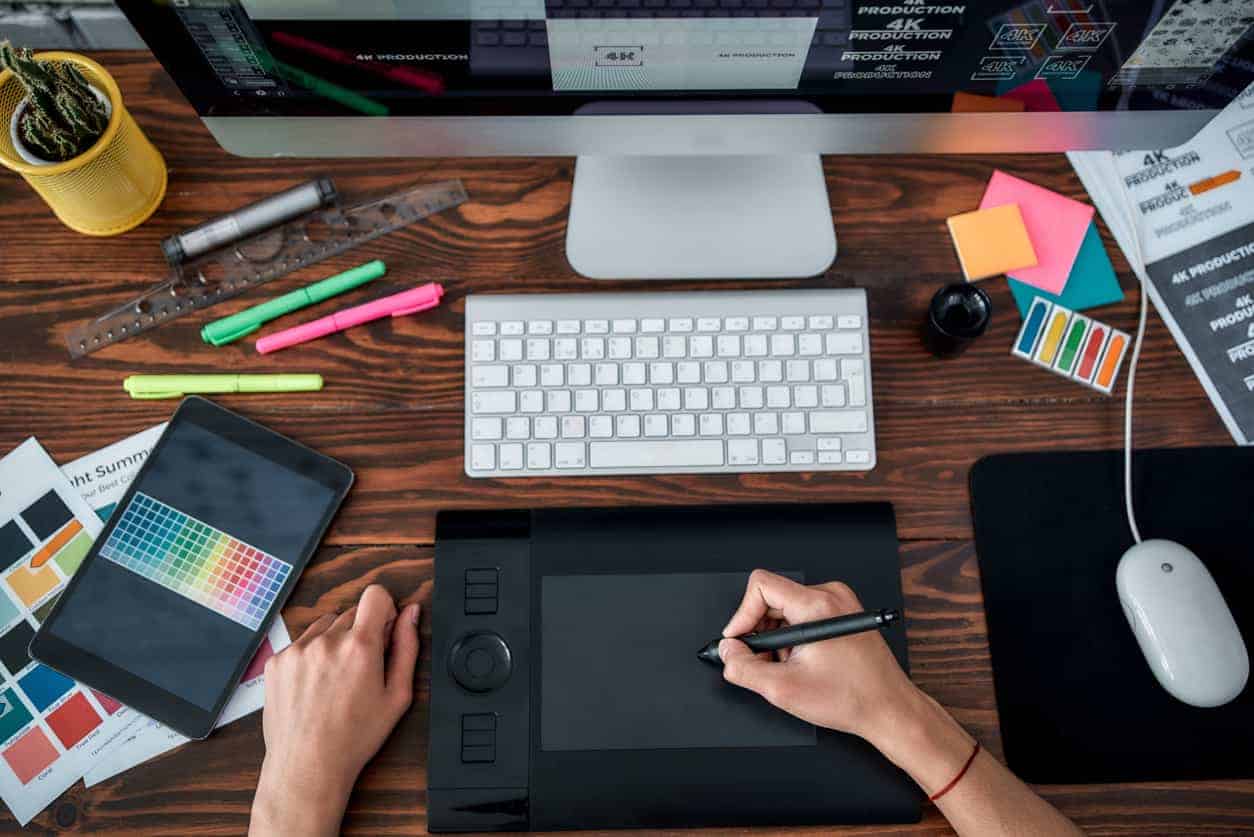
(1132, 364)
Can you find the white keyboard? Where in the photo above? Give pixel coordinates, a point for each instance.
(668, 383)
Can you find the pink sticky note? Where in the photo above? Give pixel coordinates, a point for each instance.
(1056, 225)
(1035, 95)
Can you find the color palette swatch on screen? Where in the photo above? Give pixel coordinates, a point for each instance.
(1071, 345)
(196, 560)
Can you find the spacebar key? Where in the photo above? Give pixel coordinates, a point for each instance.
(656, 454)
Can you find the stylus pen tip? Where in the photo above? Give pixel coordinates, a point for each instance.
(709, 654)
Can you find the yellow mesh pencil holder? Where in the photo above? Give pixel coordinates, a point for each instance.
(108, 189)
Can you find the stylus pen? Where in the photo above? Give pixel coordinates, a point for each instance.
(805, 633)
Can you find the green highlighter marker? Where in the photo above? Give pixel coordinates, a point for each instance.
(229, 329)
(177, 386)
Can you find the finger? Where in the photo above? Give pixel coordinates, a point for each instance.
(374, 612)
(316, 630)
(845, 598)
(344, 621)
(770, 596)
(403, 656)
(742, 668)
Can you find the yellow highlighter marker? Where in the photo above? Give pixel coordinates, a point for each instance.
(1053, 338)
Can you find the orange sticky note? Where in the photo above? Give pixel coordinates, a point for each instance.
(991, 241)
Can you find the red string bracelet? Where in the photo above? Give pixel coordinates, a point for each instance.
(958, 778)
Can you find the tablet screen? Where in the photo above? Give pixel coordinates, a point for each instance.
(197, 559)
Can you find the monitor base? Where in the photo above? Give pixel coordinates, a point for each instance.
(691, 217)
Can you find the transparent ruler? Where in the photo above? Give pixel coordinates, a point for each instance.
(240, 266)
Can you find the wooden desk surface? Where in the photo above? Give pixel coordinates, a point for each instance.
(392, 409)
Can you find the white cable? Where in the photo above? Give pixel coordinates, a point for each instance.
(1127, 418)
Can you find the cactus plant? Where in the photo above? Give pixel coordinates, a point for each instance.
(63, 117)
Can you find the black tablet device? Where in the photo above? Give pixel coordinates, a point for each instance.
(178, 591)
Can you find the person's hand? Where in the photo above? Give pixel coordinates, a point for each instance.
(332, 698)
(845, 684)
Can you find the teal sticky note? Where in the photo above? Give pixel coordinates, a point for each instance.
(1092, 281)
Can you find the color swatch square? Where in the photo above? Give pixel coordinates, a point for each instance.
(46, 515)
(991, 241)
(72, 720)
(8, 610)
(30, 755)
(71, 557)
(1092, 283)
(31, 585)
(44, 687)
(13, 645)
(1056, 225)
(14, 543)
(41, 613)
(107, 703)
(13, 714)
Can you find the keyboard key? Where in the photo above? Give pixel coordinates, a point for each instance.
(493, 402)
(792, 323)
(545, 427)
(579, 374)
(824, 369)
(552, 375)
(728, 345)
(592, 348)
(841, 343)
(596, 327)
(647, 348)
(614, 400)
(539, 456)
(742, 452)
(794, 424)
(600, 427)
(743, 371)
(801, 457)
(652, 326)
(668, 398)
(623, 326)
(531, 401)
(483, 329)
(849, 321)
(773, 452)
(820, 322)
(755, 345)
(640, 399)
(716, 372)
(797, 370)
(488, 429)
(661, 373)
(701, 346)
(518, 427)
(783, 345)
(565, 348)
(485, 377)
(674, 347)
(683, 424)
(559, 401)
(765, 323)
(711, 424)
(805, 396)
(482, 351)
(537, 348)
(723, 398)
(620, 348)
(570, 455)
(656, 425)
(511, 457)
(842, 421)
(573, 427)
(483, 457)
(696, 398)
(738, 424)
(511, 350)
(680, 325)
(686, 454)
(709, 324)
(765, 424)
(751, 398)
(858, 457)
(809, 345)
(627, 426)
(567, 326)
(587, 400)
(633, 374)
(606, 374)
(525, 375)
(770, 371)
(833, 395)
(511, 328)
(830, 457)
(542, 327)
(829, 443)
(688, 372)
(736, 324)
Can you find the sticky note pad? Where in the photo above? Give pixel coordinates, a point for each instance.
(1056, 226)
(1071, 345)
(1092, 281)
(991, 241)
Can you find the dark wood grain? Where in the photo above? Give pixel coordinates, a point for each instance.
(392, 410)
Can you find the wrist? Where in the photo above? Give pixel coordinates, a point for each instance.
(300, 803)
(924, 740)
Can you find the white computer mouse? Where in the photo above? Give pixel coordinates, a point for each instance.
(1182, 623)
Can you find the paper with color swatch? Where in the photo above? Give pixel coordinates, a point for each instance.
(50, 725)
(1056, 224)
(102, 479)
(1092, 283)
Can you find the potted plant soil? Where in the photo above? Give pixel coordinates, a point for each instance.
(68, 134)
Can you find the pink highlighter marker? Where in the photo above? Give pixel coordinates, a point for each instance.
(397, 305)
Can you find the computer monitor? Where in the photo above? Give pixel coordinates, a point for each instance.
(698, 123)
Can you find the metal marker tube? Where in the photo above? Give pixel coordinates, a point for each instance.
(243, 222)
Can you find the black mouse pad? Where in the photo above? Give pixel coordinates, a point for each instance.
(1077, 700)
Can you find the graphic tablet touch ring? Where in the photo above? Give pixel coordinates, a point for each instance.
(480, 662)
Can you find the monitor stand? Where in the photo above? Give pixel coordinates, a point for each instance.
(699, 217)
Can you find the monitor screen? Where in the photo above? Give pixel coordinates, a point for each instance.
(554, 57)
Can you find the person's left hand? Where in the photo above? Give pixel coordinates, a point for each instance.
(332, 698)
